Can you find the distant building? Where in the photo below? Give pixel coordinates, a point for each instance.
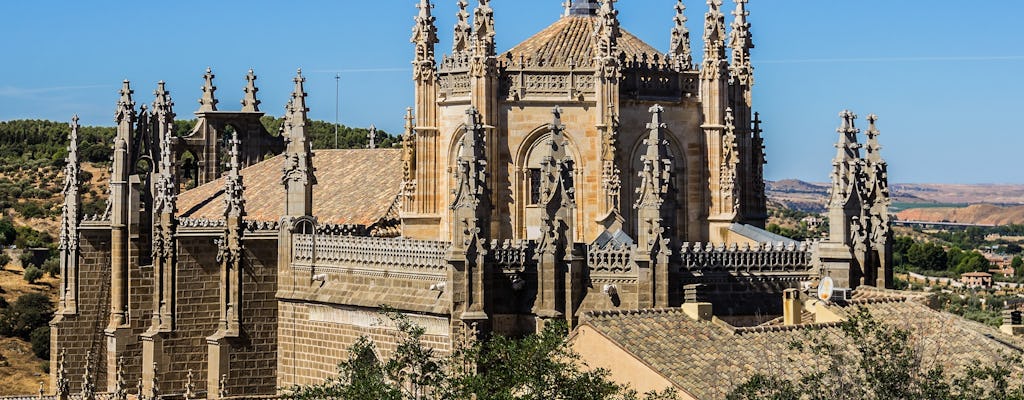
(976, 279)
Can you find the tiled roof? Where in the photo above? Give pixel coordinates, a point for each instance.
(707, 359)
(355, 187)
(571, 38)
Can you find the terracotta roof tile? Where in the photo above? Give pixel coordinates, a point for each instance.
(707, 359)
(571, 38)
(353, 187)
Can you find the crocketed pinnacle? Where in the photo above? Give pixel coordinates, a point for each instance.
(250, 103)
(463, 30)
(679, 49)
(714, 39)
(208, 102)
(125, 105)
(741, 42)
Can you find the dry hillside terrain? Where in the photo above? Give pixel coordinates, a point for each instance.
(984, 214)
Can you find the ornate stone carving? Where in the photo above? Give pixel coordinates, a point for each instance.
(846, 166)
(483, 29)
(680, 54)
(298, 173)
(611, 182)
(714, 42)
(461, 39)
(424, 36)
(208, 102)
(759, 161)
(558, 192)
(729, 167)
(69, 220)
(741, 70)
(250, 103)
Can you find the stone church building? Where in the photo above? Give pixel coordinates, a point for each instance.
(581, 170)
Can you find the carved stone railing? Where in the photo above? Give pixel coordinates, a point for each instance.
(342, 230)
(610, 259)
(511, 256)
(766, 258)
(369, 252)
(200, 223)
(454, 84)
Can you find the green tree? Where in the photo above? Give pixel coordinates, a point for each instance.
(535, 367)
(878, 361)
(29, 311)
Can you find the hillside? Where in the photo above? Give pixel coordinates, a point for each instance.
(984, 214)
(812, 196)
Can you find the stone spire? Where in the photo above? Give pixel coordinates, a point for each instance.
(250, 103)
(846, 165)
(740, 41)
(606, 32)
(714, 41)
(470, 223)
(424, 36)
(657, 165)
(88, 387)
(654, 209)
(409, 148)
(298, 170)
(190, 387)
(483, 29)
(166, 186)
(120, 383)
(680, 54)
(470, 174)
(557, 188)
(728, 175)
(234, 188)
(879, 222)
(70, 217)
(63, 386)
(460, 42)
(208, 102)
(125, 113)
(372, 137)
(757, 147)
(163, 106)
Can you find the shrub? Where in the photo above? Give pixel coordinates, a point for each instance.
(40, 339)
(30, 311)
(51, 266)
(26, 259)
(4, 260)
(32, 274)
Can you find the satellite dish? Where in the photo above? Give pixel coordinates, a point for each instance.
(825, 289)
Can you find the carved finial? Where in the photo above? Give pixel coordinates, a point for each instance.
(298, 173)
(846, 165)
(460, 42)
(250, 103)
(190, 386)
(873, 148)
(63, 385)
(234, 188)
(372, 136)
(139, 391)
(163, 106)
(680, 53)
(72, 184)
(470, 171)
(222, 390)
(166, 186)
(483, 29)
(607, 31)
(88, 387)
(730, 163)
(424, 36)
(125, 105)
(120, 389)
(408, 148)
(155, 392)
(656, 173)
(208, 102)
(42, 389)
(742, 70)
(714, 41)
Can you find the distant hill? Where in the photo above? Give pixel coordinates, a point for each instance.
(812, 196)
(986, 214)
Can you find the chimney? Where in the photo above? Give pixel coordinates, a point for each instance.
(696, 305)
(792, 307)
(1013, 323)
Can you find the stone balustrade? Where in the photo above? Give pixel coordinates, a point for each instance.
(762, 258)
(612, 259)
(335, 250)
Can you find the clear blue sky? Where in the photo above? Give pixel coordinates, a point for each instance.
(945, 76)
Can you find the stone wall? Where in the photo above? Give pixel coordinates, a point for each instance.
(314, 338)
(197, 287)
(81, 333)
(252, 362)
